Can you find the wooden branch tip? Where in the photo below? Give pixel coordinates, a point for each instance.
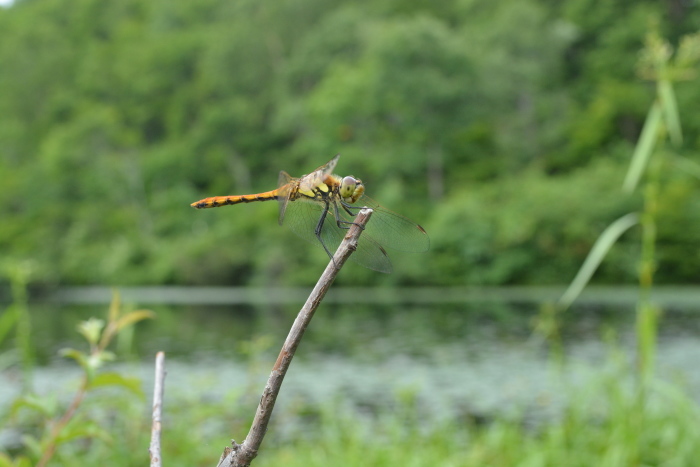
(241, 455)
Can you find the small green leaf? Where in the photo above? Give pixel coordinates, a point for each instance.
(644, 148)
(670, 110)
(78, 429)
(115, 379)
(96, 360)
(134, 317)
(47, 405)
(76, 355)
(91, 329)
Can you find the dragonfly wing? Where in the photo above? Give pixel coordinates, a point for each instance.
(303, 217)
(284, 189)
(329, 166)
(316, 178)
(370, 254)
(393, 230)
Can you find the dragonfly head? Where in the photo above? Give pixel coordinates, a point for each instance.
(351, 189)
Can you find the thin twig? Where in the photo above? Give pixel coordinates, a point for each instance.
(241, 455)
(154, 449)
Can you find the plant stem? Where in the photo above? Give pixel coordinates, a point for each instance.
(62, 422)
(646, 312)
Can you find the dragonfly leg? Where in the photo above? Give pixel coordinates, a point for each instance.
(319, 228)
(349, 207)
(346, 224)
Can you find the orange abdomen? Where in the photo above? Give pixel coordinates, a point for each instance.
(216, 201)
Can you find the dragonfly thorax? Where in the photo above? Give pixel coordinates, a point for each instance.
(351, 189)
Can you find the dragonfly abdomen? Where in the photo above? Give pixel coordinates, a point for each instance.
(217, 201)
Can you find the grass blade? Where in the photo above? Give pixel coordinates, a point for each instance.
(644, 148)
(601, 247)
(670, 110)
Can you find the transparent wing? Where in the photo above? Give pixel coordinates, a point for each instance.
(286, 183)
(315, 178)
(284, 188)
(393, 230)
(329, 166)
(303, 217)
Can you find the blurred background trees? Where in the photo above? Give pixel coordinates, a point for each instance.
(503, 128)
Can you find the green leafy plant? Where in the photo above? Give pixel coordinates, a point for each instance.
(661, 136)
(63, 425)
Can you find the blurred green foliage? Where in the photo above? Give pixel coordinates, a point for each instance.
(605, 425)
(504, 128)
(45, 425)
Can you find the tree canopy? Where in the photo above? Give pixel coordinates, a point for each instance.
(504, 128)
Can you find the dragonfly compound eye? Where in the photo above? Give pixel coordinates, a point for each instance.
(347, 187)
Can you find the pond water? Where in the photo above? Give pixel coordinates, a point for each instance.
(452, 360)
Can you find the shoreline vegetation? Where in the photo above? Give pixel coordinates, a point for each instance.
(538, 143)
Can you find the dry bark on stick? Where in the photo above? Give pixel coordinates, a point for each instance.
(241, 455)
(154, 449)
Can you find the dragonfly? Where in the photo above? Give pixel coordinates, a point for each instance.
(320, 207)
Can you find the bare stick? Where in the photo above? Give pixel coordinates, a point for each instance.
(154, 450)
(241, 455)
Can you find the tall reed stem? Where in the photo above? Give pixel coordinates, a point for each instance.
(647, 312)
